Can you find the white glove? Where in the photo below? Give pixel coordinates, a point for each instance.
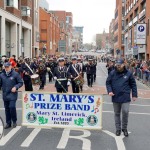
(68, 83)
(55, 78)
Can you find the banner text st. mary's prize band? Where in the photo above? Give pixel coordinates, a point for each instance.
(62, 110)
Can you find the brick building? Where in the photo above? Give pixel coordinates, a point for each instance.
(111, 36)
(136, 11)
(35, 28)
(16, 28)
(49, 32)
(65, 20)
(119, 27)
(102, 41)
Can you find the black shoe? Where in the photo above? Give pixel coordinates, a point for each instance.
(14, 125)
(118, 132)
(7, 126)
(125, 131)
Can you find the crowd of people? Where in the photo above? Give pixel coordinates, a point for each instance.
(139, 68)
(66, 71)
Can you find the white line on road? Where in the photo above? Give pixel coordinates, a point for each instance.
(66, 135)
(107, 103)
(31, 137)
(9, 135)
(118, 139)
(133, 113)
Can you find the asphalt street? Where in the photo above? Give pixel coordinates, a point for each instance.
(25, 138)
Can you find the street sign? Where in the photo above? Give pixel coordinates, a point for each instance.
(62, 110)
(141, 34)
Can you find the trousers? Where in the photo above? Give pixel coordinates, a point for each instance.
(10, 111)
(118, 109)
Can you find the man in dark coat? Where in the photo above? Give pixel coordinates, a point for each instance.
(120, 83)
(62, 77)
(10, 81)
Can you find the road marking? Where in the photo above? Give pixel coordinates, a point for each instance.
(30, 138)
(107, 103)
(118, 139)
(9, 135)
(133, 113)
(66, 135)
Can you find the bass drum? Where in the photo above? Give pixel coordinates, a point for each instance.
(35, 79)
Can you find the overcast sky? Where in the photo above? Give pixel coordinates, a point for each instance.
(94, 15)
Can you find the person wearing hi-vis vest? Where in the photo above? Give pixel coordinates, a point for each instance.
(61, 77)
(10, 81)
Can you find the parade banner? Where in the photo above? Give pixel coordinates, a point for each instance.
(62, 110)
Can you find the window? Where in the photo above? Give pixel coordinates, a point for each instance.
(12, 3)
(26, 11)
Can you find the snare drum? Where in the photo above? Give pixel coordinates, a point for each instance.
(35, 79)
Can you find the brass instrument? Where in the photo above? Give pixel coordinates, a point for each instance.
(79, 80)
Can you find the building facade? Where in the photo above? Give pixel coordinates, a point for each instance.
(119, 28)
(77, 38)
(136, 11)
(49, 32)
(35, 28)
(16, 28)
(111, 36)
(102, 41)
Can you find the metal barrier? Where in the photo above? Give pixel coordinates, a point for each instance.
(143, 76)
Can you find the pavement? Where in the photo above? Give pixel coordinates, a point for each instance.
(27, 138)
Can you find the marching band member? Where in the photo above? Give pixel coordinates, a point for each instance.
(62, 77)
(42, 73)
(89, 72)
(74, 70)
(50, 68)
(82, 70)
(34, 65)
(94, 69)
(26, 72)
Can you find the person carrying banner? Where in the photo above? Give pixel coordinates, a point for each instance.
(61, 77)
(120, 83)
(10, 81)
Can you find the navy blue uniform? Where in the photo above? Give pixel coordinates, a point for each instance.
(121, 84)
(7, 82)
(94, 71)
(27, 77)
(90, 73)
(42, 73)
(74, 74)
(62, 75)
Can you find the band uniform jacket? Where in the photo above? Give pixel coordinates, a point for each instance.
(72, 71)
(89, 69)
(62, 75)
